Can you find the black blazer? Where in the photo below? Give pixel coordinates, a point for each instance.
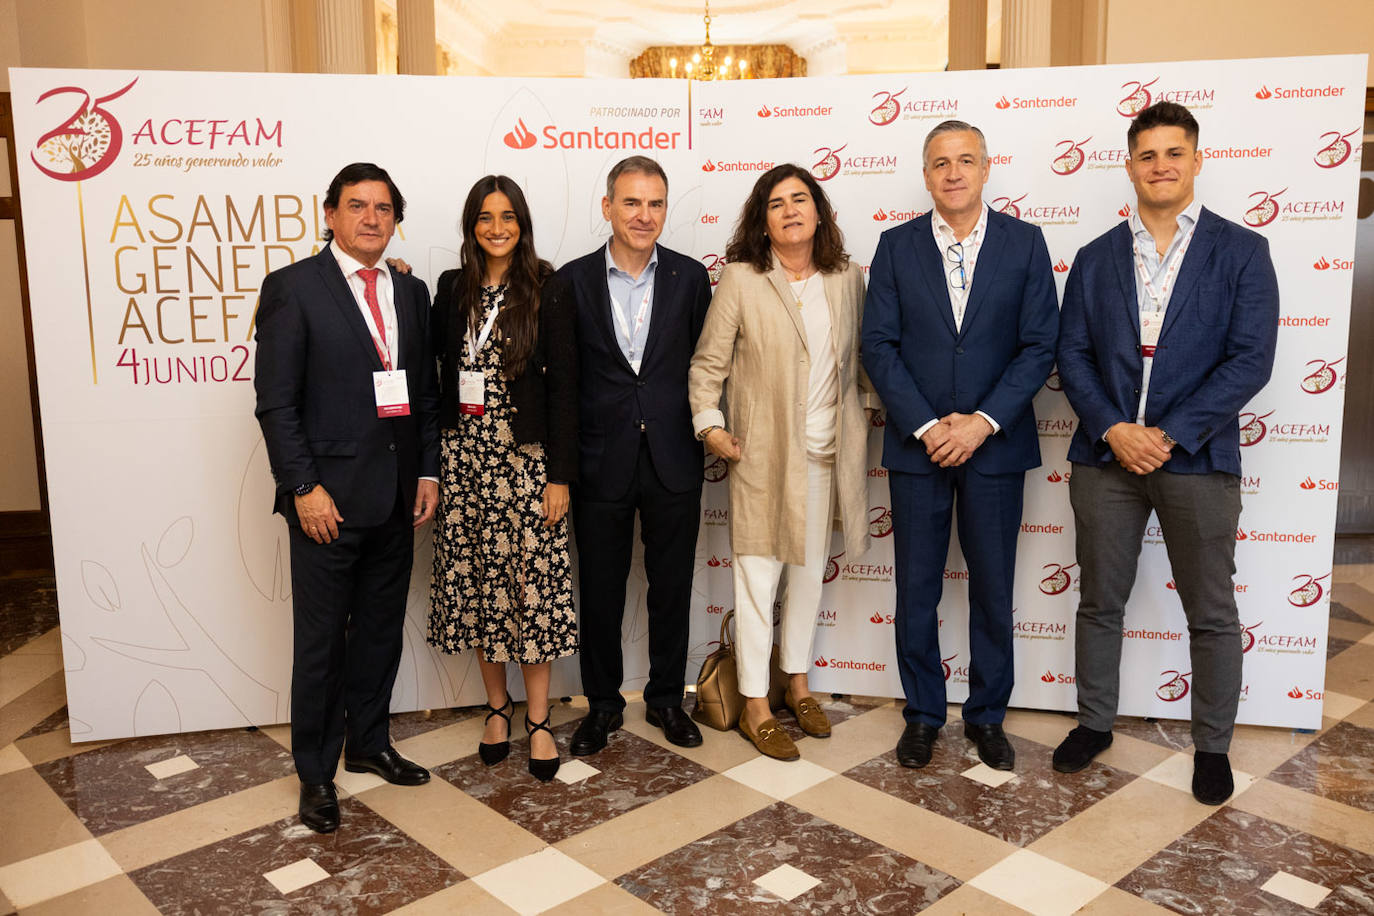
(543, 398)
(315, 400)
(618, 407)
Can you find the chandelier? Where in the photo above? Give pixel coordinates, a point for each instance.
(703, 66)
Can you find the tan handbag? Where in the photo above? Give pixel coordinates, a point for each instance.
(719, 702)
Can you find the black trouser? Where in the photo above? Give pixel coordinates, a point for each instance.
(349, 603)
(605, 544)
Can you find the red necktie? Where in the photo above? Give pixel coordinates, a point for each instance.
(369, 275)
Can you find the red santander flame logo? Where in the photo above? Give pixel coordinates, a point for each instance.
(1003, 103)
(1057, 582)
(1124, 212)
(1048, 677)
(86, 143)
(1336, 150)
(1171, 586)
(876, 618)
(1264, 93)
(713, 562)
(1241, 535)
(880, 216)
(1071, 158)
(708, 166)
(832, 568)
(1264, 211)
(1295, 693)
(1323, 378)
(1008, 206)
(519, 137)
(886, 111)
(1054, 477)
(879, 521)
(1137, 98)
(1309, 592)
(822, 662)
(765, 112)
(879, 419)
(1308, 484)
(1175, 687)
(828, 166)
(1060, 267)
(1321, 264)
(1253, 430)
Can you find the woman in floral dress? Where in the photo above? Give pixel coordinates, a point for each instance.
(508, 387)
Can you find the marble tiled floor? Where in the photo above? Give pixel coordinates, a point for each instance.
(205, 823)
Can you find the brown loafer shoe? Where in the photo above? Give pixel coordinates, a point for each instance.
(771, 740)
(810, 716)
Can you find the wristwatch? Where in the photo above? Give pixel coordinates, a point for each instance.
(706, 432)
(1168, 439)
(305, 488)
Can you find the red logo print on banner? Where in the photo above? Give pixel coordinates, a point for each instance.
(1048, 677)
(1309, 483)
(718, 562)
(86, 143)
(716, 470)
(1321, 264)
(879, 419)
(1053, 383)
(1296, 693)
(1171, 586)
(944, 663)
(1060, 267)
(877, 618)
(821, 662)
(886, 111)
(520, 137)
(1175, 688)
(879, 521)
(1137, 98)
(1008, 206)
(832, 568)
(715, 264)
(1124, 212)
(1247, 637)
(1003, 103)
(880, 216)
(1057, 582)
(828, 166)
(765, 112)
(1265, 211)
(1264, 93)
(1072, 157)
(1323, 378)
(1336, 150)
(708, 166)
(1056, 477)
(1253, 430)
(1309, 592)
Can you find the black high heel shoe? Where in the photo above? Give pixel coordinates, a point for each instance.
(542, 770)
(493, 754)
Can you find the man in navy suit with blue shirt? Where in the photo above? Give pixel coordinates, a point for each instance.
(1168, 330)
(958, 336)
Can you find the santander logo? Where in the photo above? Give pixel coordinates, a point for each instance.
(1265, 211)
(1124, 212)
(1336, 150)
(1296, 693)
(822, 662)
(828, 166)
(887, 110)
(1175, 687)
(1309, 592)
(1060, 267)
(520, 136)
(1048, 677)
(1323, 378)
(86, 143)
(1137, 98)
(1057, 582)
(765, 112)
(1071, 158)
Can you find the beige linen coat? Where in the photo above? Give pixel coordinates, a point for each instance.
(753, 349)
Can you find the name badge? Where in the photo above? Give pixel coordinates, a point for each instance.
(393, 398)
(1149, 333)
(472, 389)
(635, 364)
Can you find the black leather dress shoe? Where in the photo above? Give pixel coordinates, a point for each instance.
(1212, 779)
(993, 747)
(677, 726)
(591, 732)
(916, 744)
(319, 807)
(1078, 749)
(391, 766)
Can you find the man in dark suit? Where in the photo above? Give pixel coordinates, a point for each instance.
(348, 404)
(958, 335)
(640, 308)
(1169, 326)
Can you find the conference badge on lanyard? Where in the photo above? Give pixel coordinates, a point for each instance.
(631, 331)
(1152, 318)
(472, 383)
(393, 398)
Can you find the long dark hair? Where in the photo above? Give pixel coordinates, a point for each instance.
(749, 244)
(519, 320)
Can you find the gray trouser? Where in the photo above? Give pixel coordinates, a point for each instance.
(1197, 515)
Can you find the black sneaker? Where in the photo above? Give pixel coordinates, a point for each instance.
(1212, 780)
(1078, 750)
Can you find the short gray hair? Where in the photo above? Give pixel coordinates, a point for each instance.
(954, 127)
(640, 165)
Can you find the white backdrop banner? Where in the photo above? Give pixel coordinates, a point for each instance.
(155, 202)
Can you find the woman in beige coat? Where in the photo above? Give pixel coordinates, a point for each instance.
(781, 342)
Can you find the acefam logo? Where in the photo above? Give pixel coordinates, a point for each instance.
(1071, 158)
(1264, 211)
(828, 166)
(1137, 98)
(86, 143)
(520, 136)
(887, 110)
(1337, 148)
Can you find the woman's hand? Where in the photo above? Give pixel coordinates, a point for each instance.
(398, 264)
(723, 445)
(555, 503)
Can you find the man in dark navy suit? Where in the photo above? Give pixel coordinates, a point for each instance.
(348, 404)
(1169, 326)
(958, 335)
(640, 308)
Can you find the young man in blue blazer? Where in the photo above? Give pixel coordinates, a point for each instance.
(958, 336)
(1168, 329)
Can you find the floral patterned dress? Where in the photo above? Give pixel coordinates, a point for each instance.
(502, 581)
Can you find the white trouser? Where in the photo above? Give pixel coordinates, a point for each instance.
(756, 582)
